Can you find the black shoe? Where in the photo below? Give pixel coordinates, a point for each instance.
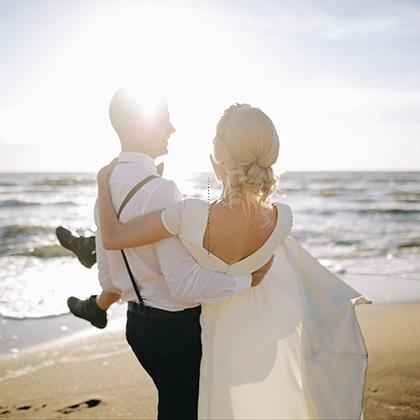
(88, 309)
(83, 247)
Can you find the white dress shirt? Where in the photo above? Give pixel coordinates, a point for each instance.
(163, 284)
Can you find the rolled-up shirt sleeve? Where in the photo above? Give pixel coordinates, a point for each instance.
(189, 282)
(186, 279)
(104, 271)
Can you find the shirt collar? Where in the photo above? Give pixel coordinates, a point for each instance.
(138, 157)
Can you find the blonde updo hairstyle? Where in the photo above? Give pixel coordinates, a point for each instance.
(247, 145)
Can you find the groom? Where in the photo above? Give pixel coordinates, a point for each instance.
(163, 326)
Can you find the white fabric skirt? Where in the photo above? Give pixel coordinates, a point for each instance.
(290, 348)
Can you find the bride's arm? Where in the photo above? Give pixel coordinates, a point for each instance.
(140, 231)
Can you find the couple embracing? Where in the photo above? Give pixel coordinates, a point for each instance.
(227, 313)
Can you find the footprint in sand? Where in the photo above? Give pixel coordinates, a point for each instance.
(79, 407)
(9, 410)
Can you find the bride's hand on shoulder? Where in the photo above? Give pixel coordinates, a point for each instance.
(105, 172)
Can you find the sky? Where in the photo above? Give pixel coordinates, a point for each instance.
(340, 79)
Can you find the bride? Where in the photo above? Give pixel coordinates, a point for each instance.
(289, 348)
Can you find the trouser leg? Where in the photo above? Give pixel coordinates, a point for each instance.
(170, 352)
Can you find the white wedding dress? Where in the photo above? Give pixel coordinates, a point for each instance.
(290, 348)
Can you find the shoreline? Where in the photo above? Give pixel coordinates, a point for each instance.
(20, 334)
(94, 374)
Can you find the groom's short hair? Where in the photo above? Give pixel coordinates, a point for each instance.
(122, 111)
(128, 106)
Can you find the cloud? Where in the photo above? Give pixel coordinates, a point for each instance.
(303, 17)
(333, 28)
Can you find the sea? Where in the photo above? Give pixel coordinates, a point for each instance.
(360, 225)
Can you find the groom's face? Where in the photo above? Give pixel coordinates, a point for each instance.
(161, 129)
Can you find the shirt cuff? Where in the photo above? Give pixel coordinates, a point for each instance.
(243, 282)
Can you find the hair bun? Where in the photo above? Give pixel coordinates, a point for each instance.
(246, 142)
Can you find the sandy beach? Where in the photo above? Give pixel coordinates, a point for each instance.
(97, 376)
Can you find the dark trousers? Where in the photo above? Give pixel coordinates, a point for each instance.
(169, 349)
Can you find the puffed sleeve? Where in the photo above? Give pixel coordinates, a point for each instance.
(172, 217)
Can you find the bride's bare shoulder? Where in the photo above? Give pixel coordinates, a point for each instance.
(197, 202)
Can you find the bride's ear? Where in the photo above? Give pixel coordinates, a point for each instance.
(218, 168)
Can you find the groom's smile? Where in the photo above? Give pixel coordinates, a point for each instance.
(167, 129)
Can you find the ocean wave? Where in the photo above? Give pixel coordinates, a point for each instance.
(406, 196)
(362, 200)
(60, 203)
(346, 242)
(21, 203)
(394, 210)
(363, 210)
(47, 251)
(414, 243)
(13, 231)
(29, 312)
(64, 182)
(18, 203)
(37, 288)
(328, 192)
(321, 190)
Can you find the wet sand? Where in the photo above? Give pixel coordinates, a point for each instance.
(97, 376)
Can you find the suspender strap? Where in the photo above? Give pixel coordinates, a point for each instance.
(133, 281)
(123, 204)
(133, 191)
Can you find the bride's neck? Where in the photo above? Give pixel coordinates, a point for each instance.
(239, 206)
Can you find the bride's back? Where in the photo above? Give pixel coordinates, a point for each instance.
(232, 236)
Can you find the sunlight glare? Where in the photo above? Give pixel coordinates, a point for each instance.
(148, 98)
